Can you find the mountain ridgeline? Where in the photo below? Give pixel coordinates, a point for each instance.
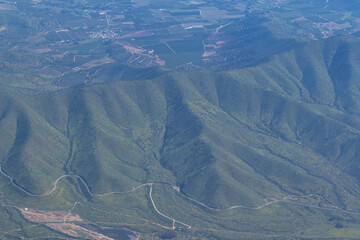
(287, 126)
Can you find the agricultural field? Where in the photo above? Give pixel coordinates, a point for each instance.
(177, 35)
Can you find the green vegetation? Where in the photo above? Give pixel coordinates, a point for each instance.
(180, 119)
(286, 129)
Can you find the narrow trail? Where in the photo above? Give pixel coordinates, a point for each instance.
(286, 199)
(283, 200)
(65, 176)
(69, 212)
(169, 47)
(326, 3)
(221, 27)
(172, 219)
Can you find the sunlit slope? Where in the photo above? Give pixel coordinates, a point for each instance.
(33, 151)
(288, 126)
(108, 134)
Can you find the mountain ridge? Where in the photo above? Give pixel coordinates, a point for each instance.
(223, 139)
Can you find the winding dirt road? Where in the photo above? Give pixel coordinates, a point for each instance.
(286, 199)
(65, 176)
(173, 220)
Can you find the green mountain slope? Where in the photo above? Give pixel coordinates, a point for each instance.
(288, 126)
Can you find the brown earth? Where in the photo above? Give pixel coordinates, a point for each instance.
(50, 216)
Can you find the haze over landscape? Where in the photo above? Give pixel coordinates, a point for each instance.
(154, 119)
